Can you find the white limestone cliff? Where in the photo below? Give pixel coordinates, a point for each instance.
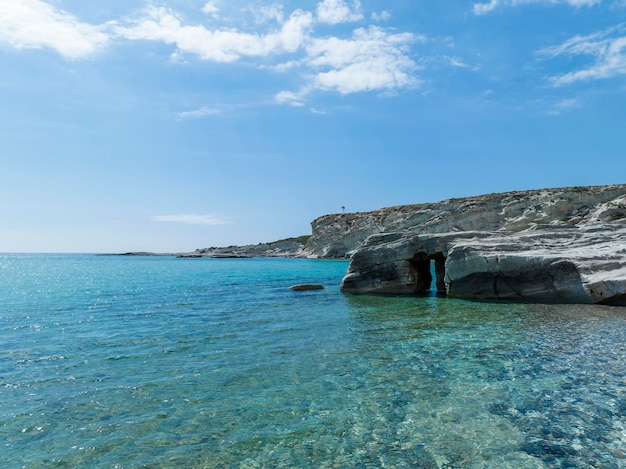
(338, 235)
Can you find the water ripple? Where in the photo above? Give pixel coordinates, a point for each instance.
(157, 362)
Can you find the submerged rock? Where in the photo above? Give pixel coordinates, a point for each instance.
(307, 286)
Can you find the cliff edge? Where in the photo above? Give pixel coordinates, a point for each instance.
(338, 235)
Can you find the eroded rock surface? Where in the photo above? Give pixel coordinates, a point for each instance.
(339, 235)
(554, 245)
(291, 247)
(586, 265)
(564, 265)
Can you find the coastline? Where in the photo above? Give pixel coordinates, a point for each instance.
(506, 246)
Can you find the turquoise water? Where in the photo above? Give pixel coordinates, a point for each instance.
(119, 362)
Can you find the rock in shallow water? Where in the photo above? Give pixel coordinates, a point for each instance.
(554, 265)
(307, 287)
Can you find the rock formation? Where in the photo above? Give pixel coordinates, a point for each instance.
(306, 287)
(566, 265)
(291, 247)
(586, 265)
(557, 245)
(338, 235)
(552, 245)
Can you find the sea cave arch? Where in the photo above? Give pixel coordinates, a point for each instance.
(423, 265)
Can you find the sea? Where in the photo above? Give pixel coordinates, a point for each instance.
(160, 362)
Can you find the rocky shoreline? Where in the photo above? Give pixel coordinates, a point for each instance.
(552, 246)
(563, 245)
(290, 247)
(566, 265)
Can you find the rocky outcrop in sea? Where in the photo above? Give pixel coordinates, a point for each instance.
(548, 265)
(555, 245)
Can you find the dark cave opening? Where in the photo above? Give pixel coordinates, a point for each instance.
(429, 268)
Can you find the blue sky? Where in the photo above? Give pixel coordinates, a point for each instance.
(180, 124)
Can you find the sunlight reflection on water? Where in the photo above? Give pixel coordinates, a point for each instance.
(215, 363)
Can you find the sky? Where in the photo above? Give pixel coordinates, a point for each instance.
(173, 125)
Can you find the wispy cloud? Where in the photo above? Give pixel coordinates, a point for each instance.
(191, 219)
(484, 8)
(607, 48)
(273, 12)
(487, 7)
(381, 16)
(563, 105)
(337, 11)
(198, 113)
(290, 98)
(455, 61)
(211, 8)
(34, 24)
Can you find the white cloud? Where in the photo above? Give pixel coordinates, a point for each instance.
(382, 16)
(198, 113)
(455, 62)
(34, 24)
(274, 12)
(567, 103)
(161, 24)
(190, 219)
(581, 3)
(337, 11)
(607, 47)
(290, 98)
(283, 67)
(210, 8)
(372, 59)
(562, 106)
(484, 8)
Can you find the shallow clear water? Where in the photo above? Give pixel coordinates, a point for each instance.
(207, 363)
